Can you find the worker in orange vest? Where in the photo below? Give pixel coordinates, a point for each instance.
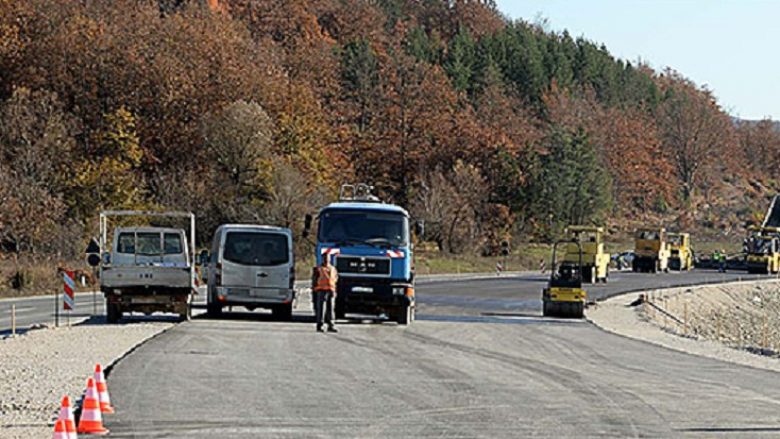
(324, 281)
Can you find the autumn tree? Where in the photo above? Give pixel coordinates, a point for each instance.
(695, 132)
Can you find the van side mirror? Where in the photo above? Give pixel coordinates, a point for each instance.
(106, 258)
(203, 258)
(419, 228)
(307, 225)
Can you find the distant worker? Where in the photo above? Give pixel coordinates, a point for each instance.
(723, 261)
(324, 279)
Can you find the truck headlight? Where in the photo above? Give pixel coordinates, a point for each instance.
(399, 291)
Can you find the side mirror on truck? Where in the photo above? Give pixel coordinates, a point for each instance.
(307, 225)
(419, 228)
(203, 257)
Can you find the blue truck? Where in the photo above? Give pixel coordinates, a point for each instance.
(369, 242)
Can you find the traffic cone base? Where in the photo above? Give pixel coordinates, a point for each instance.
(59, 430)
(91, 421)
(66, 416)
(102, 389)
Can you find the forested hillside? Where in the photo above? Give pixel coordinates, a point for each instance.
(257, 110)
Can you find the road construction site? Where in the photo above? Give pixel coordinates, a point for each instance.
(479, 362)
(501, 355)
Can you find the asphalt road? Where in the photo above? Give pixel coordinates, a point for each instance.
(40, 310)
(479, 362)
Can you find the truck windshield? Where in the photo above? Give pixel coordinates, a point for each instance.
(148, 244)
(258, 249)
(649, 236)
(760, 246)
(364, 227)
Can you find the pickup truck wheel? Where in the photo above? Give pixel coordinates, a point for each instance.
(113, 313)
(214, 310)
(404, 316)
(283, 312)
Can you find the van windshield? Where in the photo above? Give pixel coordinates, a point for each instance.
(355, 226)
(254, 248)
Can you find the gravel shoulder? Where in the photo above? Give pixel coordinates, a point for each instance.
(39, 367)
(735, 322)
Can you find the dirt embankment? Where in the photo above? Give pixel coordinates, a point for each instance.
(738, 322)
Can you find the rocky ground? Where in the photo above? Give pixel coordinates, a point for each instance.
(737, 322)
(38, 368)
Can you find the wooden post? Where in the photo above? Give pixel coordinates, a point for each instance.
(717, 327)
(764, 340)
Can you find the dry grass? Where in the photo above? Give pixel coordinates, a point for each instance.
(32, 276)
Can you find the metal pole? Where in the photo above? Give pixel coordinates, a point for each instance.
(13, 319)
(56, 309)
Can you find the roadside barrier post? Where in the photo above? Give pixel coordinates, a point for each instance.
(13, 319)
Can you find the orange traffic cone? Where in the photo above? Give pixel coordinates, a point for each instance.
(59, 430)
(91, 421)
(66, 416)
(102, 388)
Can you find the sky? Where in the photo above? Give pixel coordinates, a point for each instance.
(731, 46)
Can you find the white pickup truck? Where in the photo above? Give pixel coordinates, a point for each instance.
(147, 269)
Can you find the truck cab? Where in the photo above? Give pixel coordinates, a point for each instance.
(680, 251)
(586, 247)
(369, 243)
(147, 269)
(651, 251)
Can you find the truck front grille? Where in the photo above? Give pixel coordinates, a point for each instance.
(363, 265)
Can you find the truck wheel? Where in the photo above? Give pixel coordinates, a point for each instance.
(404, 316)
(214, 309)
(283, 312)
(113, 313)
(339, 311)
(578, 310)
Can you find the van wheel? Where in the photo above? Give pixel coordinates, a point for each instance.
(214, 310)
(283, 312)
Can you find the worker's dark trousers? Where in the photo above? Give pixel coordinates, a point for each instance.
(324, 299)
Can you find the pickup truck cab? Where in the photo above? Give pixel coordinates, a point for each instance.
(252, 266)
(148, 269)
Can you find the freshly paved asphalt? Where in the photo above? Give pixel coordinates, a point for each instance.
(479, 362)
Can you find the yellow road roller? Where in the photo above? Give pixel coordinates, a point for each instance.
(564, 296)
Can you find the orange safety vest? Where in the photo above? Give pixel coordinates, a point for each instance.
(326, 279)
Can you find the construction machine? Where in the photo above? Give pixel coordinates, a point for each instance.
(763, 250)
(680, 251)
(564, 296)
(651, 251)
(587, 243)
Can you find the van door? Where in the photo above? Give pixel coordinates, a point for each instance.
(258, 261)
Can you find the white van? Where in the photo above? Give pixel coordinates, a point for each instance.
(252, 266)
